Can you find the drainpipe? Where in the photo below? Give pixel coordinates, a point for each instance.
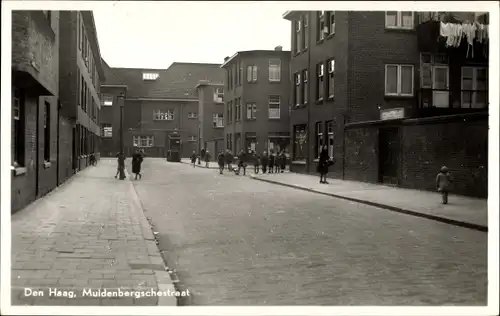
(309, 94)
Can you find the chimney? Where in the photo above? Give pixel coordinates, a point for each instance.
(278, 48)
(225, 59)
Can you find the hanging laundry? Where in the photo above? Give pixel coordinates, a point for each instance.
(469, 31)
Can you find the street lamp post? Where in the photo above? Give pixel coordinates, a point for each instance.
(121, 104)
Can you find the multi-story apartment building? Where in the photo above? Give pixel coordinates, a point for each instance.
(35, 91)
(80, 71)
(155, 104)
(210, 116)
(391, 98)
(257, 94)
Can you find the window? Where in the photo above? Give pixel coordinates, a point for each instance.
(330, 135)
(85, 94)
(18, 121)
(297, 88)
(251, 111)
(299, 142)
(143, 141)
(399, 80)
(320, 81)
(228, 75)
(234, 76)
(229, 112)
(106, 130)
(319, 138)
(192, 115)
(82, 92)
(252, 73)
(331, 78)
(331, 22)
(237, 108)
(322, 26)
(218, 120)
(274, 106)
(305, 86)
(275, 70)
(399, 20)
(298, 33)
(80, 30)
(240, 73)
(474, 87)
(191, 138)
(107, 100)
(148, 76)
(163, 115)
(230, 141)
(305, 31)
(219, 95)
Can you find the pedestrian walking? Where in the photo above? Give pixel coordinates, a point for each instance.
(207, 158)
(121, 163)
(277, 163)
(264, 161)
(283, 161)
(229, 159)
(221, 162)
(193, 159)
(242, 162)
(323, 165)
(137, 160)
(92, 159)
(272, 161)
(443, 182)
(257, 162)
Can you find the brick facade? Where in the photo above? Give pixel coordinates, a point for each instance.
(210, 137)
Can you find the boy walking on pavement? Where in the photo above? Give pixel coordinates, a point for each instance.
(242, 162)
(256, 165)
(220, 161)
(443, 180)
(193, 158)
(264, 161)
(272, 161)
(207, 159)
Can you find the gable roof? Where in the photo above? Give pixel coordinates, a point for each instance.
(177, 81)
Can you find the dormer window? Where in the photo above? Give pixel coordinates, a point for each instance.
(150, 76)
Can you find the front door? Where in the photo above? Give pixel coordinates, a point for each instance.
(73, 151)
(389, 155)
(440, 86)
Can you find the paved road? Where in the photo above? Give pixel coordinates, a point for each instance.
(237, 241)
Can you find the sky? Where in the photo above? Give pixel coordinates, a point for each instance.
(154, 36)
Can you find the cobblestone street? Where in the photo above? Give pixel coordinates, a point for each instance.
(89, 233)
(237, 241)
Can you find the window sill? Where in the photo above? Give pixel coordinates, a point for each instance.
(319, 101)
(46, 164)
(218, 127)
(329, 36)
(19, 171)
(299, 162)
(399, 97)
(274, 81)
(399, 29)
(319, 42)
(274, 118)
(316, 160)
(252, 82)
(331, 98)
(252, 119)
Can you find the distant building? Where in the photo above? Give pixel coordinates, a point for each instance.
(257, 94)
(389, 99)
(210, 116)
(156, 103)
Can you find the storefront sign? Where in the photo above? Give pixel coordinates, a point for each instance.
(392, 114)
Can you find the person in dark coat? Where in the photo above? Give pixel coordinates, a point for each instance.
(207, 159)
(264, 161)
(121, 163)
(256, 164)
(228, 157)
(323, 165)
(272, 161)
(242, 163)
(277, 163)
(136, 164)
(193, 158)
(283, 161)
(220, 161)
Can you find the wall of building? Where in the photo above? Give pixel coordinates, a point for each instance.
(459, 142)
(65, 148)
(207, 108)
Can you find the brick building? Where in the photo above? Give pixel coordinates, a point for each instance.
(391, 101)
(257, 94)
(80, 72)
(35, 90)
(210, 116)
(155, 103)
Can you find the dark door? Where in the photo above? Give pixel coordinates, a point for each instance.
(37, 148)
(389, 155)
(73, 151)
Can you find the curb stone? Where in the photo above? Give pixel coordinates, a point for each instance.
(163, 279)
(445, 220)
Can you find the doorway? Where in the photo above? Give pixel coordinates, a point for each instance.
(389, 155)
(73, 150)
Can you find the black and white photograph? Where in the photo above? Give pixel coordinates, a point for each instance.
(248, 158)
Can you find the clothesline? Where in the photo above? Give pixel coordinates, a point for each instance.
(455, 33)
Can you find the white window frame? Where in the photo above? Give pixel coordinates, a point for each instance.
(322, 24)
(319, 137)
(398, 93)
(320, 78)
(305, 28)
(298, 91)
(150, 76)
(251, 108)
(275, 70)
(272, 110)
(143, 141)
(161, 115)
(191, 138)
(107, 100)
(474, 87)
(252, 73)
(331, 77)
(298, 35)
(192, 115)
(219, 95)
(330, 136)
(331, 26)
(218, 120)
(399, 21)
(305, 89)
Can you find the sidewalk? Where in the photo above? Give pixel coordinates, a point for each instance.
(461, 211)
(89, 233)
(215, 165)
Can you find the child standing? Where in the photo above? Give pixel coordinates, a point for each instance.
(443, 183)
(220, 161)
(193, 158)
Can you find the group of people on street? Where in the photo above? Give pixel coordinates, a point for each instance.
(137, 159)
